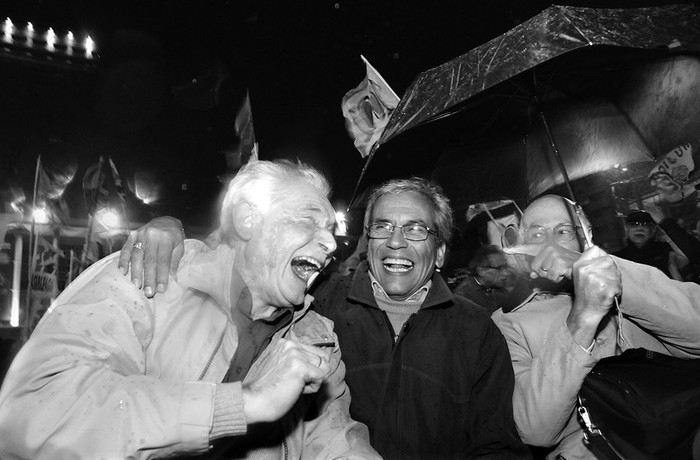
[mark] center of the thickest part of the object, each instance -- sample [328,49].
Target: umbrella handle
[586,235]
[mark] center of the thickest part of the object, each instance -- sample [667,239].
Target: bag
[642,405]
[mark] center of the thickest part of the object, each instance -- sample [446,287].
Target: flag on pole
[49,193]
[95,196]
[246,132]
[93,186]
[246,148]
[44,282]
[118,184]
[367,109]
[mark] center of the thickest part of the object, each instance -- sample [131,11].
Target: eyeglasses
[639,224]
[411,232]
[562,233]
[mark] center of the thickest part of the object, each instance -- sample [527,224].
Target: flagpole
[31,252]
[91,203]
[86,244]
[71,267]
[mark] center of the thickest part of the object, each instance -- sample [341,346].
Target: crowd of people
[239,347]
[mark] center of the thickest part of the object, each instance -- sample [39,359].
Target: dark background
[151,101]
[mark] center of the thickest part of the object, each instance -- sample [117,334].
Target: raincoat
[110,374]
[656,313]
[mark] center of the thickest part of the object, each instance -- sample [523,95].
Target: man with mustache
[230,356]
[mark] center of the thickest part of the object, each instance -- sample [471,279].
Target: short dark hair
[480,257]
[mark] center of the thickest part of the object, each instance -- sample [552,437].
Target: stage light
[40,215]
[342,224]
[89,47]
[50,39]
[109,218]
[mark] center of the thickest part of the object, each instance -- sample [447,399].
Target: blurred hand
[549,260]
[161,248]
[287,371]
[656,212]
[597,282]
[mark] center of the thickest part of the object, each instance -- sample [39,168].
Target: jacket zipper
[211,357]
[402,333]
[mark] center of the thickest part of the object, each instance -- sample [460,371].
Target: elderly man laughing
[223,358]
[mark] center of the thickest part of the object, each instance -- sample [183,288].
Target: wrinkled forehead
[547,212]
[301,198]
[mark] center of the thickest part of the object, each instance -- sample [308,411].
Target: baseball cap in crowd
[639,218]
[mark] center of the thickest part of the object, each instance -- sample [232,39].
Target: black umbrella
[582,66]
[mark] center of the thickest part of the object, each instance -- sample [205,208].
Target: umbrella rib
[568,19]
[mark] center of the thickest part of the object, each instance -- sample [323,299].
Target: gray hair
[259,184]
[442,212]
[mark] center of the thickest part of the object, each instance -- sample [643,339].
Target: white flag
[367,109]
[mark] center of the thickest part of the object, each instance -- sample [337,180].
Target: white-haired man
[555,339]
[109,373]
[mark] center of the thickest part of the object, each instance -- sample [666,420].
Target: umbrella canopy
[597,74]
[658,110]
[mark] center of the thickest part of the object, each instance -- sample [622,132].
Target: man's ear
[440,260]
[245,219]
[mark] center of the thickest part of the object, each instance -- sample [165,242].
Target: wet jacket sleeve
[668,309]
[546,381]
[78,388]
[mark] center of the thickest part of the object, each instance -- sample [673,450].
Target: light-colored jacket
[657,313]
[110,374]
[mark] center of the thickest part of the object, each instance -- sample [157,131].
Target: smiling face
[291,243]
[399,265]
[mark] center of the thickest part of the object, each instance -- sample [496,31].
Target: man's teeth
[304,267]
[398,265]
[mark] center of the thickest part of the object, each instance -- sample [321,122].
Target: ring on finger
[544,269]
[138,246]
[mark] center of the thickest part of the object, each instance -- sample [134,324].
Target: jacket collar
[361,289]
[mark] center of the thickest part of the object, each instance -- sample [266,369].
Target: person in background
[489,280]
[555,338]
[674,260]
[429,372]
[230,357]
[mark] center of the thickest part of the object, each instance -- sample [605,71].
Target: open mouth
[306,267]
[398,265]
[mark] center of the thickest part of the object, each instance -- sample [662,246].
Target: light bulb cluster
[28,39]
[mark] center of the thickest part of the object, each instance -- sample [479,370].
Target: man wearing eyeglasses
[429,373]
[556,336]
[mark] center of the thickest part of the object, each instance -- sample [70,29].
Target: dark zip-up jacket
[442,390]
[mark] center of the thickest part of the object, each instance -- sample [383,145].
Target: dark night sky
[296,58]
